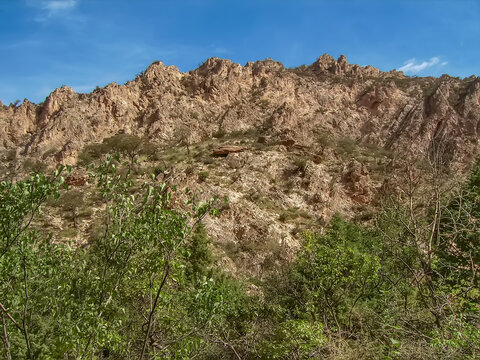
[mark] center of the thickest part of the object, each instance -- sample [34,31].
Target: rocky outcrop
[357,182]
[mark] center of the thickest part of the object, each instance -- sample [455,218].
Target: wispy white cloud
[414,67]
[55,6]
[49,9]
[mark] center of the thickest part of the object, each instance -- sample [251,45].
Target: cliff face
[384,108]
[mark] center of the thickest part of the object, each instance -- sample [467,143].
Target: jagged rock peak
[214,62]
[158,71]
[112,85]
[323,63]
[59,95]
[385,108]
[26,102]
[268,62]
[267,65]
[62,91]
[327,65]
[342,59]
[216,66]
[55,100]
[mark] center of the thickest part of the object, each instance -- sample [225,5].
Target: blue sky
[84,43]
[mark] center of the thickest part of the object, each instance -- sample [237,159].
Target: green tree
[333,272]
[117,296]
[428,259]
[460,230]
[21,248]
[199,258]
[128,145]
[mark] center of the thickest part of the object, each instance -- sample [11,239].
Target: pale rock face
[357,183]
[54,102]
[318,182]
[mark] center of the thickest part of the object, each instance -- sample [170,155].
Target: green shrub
[91,153]
[67,301]
[11,155]
[325,140]
[128,145]
[203,175]
[347,145]
[459,338]
[219,134]
[330,273]
[300,164]
[294,339]
[68,233]
[199,258]
[34,165]
[292,214]
[70,202]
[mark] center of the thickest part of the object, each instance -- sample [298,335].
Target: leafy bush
[219,134]
[129,145]
[48,153]
[294,339]
[91,153]
[346,145]
[332,273]
[458,338]
[203,175]
[70,202]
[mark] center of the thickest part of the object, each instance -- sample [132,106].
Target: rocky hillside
[314,140]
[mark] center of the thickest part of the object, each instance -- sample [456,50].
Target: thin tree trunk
[5,339]
[166,270]
[25,308]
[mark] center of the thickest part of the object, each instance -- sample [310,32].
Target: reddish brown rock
[77,179]
[228,149]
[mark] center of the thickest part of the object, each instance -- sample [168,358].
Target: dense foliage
[147,285]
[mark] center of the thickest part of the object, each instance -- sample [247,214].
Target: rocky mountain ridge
[384,108]
[308,142]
